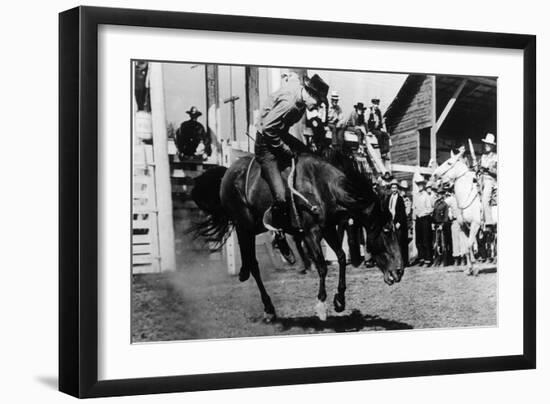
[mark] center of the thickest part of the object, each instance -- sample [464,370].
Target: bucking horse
[237,197]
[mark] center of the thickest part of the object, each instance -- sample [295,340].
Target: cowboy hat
[429,184]
[420,180]
[404,184]
[360,106]
[334,96]
[489,139]
[394,182]
[375,101]
[317,87]
[194,111]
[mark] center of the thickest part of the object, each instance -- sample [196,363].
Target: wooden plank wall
[414,114]
[145,243]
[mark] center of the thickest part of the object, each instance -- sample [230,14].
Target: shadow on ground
[355,321]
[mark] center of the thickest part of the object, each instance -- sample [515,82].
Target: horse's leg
[247,245]
[303,255]
[335,242]
[313,242]
[471,268]
[474,228]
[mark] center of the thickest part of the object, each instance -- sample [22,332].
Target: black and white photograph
[276,200]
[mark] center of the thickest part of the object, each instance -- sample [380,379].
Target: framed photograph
[251,201]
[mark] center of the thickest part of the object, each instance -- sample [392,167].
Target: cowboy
[191,137]
[375,125]
[141,87]
[488,177]
[275,147]
[430,191]
[422,213]
[396,206]
[335,120]
[357,123]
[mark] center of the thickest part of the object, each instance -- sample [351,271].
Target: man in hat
[335,120]
[275,147]
[422,213]
[396,206]
[357,123]
[488,176]
[375,125]
[191,134]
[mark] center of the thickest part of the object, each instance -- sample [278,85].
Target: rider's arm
[273,124]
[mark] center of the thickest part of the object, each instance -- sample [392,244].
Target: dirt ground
[203,302]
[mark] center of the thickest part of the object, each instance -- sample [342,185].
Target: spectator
[356,122]
[396,206]
[422,214]
[442,228]
[191,137]
[336,121]
[375,125]
[459,240]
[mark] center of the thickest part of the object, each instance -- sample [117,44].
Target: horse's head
[451,169]
[384,247]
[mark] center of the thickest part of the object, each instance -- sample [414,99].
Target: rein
[247,178]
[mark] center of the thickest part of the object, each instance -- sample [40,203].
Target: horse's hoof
[244,275]
[269,317]
[339,304]
[321,309]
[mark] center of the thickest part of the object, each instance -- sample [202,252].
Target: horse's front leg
[313,243]
[472,240]
[335,242]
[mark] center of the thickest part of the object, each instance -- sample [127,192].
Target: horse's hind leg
[247,245]
[335,242]
[313,242]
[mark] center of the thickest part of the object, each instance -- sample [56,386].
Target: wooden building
[431,114]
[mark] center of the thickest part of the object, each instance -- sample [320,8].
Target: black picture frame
[78,201]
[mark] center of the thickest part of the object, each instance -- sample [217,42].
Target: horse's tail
[216,226]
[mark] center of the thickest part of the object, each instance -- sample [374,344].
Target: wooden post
[252,78]
[162,171]
[213,114]
[449,105]
[433,131]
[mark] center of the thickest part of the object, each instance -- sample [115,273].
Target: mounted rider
[487,172]
[275,147]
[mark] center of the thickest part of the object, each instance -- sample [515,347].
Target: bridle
[462,174]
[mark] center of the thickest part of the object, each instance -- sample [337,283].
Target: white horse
[455,171]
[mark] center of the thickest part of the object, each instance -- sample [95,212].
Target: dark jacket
[374,121]
[440,214]
[400,212]
[188,137]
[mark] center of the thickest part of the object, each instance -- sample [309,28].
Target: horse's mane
[343,181]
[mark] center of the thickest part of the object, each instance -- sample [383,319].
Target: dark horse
[238,197]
